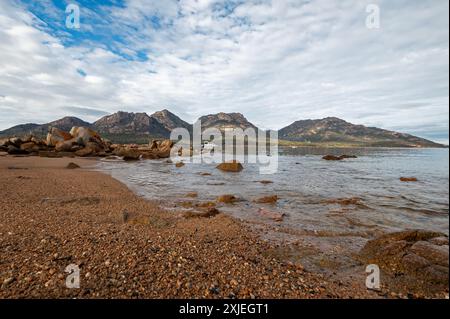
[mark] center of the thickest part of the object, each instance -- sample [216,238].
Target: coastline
[53,217]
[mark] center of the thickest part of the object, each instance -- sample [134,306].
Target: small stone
[72,166]
[8,281]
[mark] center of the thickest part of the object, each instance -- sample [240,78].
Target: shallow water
[306,184]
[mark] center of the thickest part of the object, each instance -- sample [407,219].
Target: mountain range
[125,127]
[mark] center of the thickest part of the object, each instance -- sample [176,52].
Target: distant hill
[66,123]
[19,130]
[170,121]
[335,130]
[223,121]
[125,127]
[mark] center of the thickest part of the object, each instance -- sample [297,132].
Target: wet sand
[129,247]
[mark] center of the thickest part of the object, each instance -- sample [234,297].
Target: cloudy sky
[274,61]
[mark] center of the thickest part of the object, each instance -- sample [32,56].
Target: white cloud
[274,61]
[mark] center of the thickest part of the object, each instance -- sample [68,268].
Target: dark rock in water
[205,174]
[265,182]
[413,253]
[409,179]
[232,166]
[179,164]
[331,158]
[337,158]
[72,166]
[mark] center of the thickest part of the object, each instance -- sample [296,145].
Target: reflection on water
[307,186]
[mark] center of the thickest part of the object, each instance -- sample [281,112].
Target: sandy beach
[128,247]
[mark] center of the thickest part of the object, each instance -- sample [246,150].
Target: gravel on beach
[129,247]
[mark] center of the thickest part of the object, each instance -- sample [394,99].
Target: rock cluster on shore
[82,142]
[418,258]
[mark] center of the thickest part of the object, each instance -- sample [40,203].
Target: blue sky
[274,61]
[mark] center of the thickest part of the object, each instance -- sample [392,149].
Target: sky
[274,61]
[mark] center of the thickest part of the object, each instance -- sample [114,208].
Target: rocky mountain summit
[224,121]
[170,121]
[126,127]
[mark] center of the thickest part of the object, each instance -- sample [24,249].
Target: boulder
[95,146]
[231,166]
[164,148]
[16,141]
[14,150]
[30,147]
[179,164]
[84,135]
[127,153]
[84,152]
[4,142]
[131,155]
[56,135]
[64,146]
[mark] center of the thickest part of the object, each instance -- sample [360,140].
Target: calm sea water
[307,186]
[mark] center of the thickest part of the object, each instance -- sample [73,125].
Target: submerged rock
[276,216]
[267,199]
[413,253]
[231,166]
[228,199]
[210,212]
[192,194]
